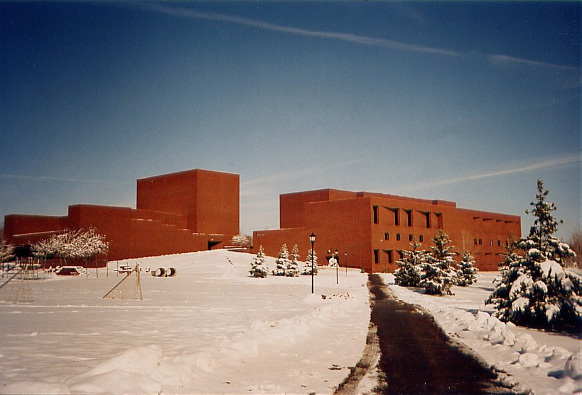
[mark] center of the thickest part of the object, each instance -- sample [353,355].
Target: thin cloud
[497,59]
[347,37]
[42,178]
[565,161]
[500,59]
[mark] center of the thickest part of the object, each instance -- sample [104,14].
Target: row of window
[491,243]
[392,258]
[410,237]
[408,213]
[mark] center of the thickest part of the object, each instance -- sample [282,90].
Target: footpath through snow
[534,360]
[209,329]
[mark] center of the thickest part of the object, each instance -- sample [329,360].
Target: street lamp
[336,267]
[346,263]
[312,240]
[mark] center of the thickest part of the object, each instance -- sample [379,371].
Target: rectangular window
[375,208]
[376,256]
[427,215]
[421,238]
[491,242]
[409,237]
[389,253]
[397,236]
[439,220]
[475,241]
[386,236]
[408,217]
[498,242]
[480,242]
[396,217]
[400,255]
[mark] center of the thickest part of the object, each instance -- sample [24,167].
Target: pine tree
[409,272]
[259,267]
[307,268]
[510,255]
[282,261]
[467,270]
[292,269]
[535,290]
[438,276]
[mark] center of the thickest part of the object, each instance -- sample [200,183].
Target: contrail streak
[497,59]
[567,160]
[347,37]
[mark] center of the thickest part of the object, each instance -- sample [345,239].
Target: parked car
[68,271]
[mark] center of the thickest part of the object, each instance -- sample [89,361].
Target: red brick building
[375,228]
[181,212]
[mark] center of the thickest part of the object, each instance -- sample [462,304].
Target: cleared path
[416,357]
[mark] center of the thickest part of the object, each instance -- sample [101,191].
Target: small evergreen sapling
[259,267]
[307,268]
[467,270]
[438,276]
[293,266]
[410,270]
[282,261]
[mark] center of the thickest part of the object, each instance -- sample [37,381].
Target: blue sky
[463,101]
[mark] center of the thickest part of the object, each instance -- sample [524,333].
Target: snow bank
[549,365]
[210,329]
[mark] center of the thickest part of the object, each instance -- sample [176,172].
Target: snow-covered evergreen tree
[510,255]
[438,275]
[535,290]
[467,271]
[307,268]
[410,270]
[293,266]
[259,266]
[282,261]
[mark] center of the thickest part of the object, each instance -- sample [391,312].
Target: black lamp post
[312,240]
[336,267]
[346,263]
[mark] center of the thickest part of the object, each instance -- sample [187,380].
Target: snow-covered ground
[214,329]
[534,360]
[209,329]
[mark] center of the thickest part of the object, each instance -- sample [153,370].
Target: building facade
[370,230]
[188,211]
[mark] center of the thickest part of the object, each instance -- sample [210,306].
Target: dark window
[498,242]
[376,257]
[396,220]
[421,238]
[409,237]
[397,236]
[409,217]
[480,242]
[375,208]
[386,236]
[439,220]
[389,253]
[400,255]
[427,215]
[475,241]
